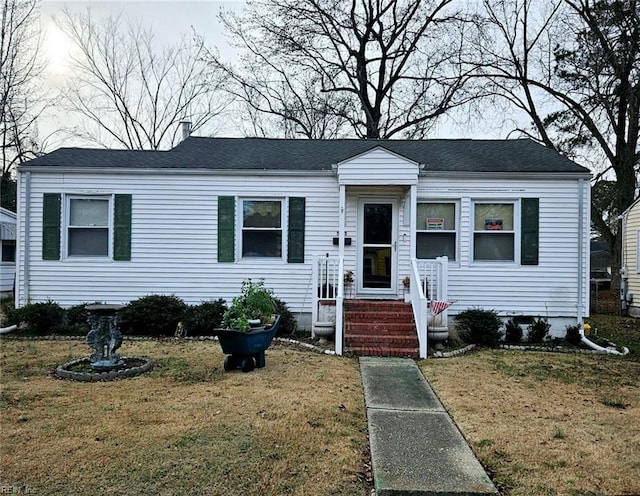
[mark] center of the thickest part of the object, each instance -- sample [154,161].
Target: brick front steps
[380,328]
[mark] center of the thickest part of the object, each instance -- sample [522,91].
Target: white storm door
[377,246]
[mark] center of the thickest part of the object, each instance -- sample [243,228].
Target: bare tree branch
[129,92]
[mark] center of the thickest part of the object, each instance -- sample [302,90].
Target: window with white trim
[88,226]
[262,228]
[436,230]
[494,232]
[8,250]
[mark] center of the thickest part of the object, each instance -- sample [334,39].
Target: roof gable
[377,166]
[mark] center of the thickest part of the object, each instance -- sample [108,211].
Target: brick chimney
[186,129]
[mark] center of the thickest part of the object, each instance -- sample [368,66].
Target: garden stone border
[63,372]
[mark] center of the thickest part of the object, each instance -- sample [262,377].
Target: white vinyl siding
[174,239]
[547,289]
[631,256]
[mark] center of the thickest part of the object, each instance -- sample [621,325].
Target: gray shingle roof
[521,155]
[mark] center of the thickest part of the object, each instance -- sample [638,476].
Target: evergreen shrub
[573,335]
[512,332]
[538,330]
[479,326]
[152,315]
[205,318]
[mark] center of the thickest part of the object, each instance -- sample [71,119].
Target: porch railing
[328,285]
[419,305]
[429,283]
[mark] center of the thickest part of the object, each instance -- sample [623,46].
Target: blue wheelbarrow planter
[245,350]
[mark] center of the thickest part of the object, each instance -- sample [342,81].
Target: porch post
[413,209]
[340,295]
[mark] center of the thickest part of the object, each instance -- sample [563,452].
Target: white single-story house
[630,266]
[8,250]
[510,216]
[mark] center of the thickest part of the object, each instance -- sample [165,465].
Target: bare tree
[20,69]
[131,93]
[573,66]
[377,69]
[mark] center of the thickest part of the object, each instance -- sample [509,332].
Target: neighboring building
[8,250]
[630,292]
[113,225]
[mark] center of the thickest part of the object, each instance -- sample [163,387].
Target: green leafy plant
[152,315]
[573,335]
[479,326]
[205,318]
[254,302]
[538,330]
[512,332]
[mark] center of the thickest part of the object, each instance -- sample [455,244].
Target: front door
[377,246]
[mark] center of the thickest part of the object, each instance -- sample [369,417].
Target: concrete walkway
[416,449]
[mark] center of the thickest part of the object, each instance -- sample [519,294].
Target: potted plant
[406,283]
[252,307]
[245,338]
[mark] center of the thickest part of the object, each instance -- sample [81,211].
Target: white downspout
[26,201]
[340,296]
[581,279]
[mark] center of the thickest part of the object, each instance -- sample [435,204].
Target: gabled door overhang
[377,167]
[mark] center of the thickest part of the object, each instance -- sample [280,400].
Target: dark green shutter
[295,252]
[122,227]
[51,211]
[530,231]
[226,228]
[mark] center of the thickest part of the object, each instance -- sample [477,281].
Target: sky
[170,19]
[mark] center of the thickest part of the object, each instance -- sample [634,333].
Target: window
[494,232]
[8,250]
[436,230]
[88,227]
[262,228]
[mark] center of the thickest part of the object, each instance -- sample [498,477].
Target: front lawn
[297,426]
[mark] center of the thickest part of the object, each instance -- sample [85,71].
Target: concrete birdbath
[105,339]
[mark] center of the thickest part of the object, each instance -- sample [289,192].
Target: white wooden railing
[429,279]
[328,286]
[429,283]
[419,304]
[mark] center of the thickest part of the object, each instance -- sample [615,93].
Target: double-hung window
[88,226]
[436,230]
[8,250]
[494,232]
[262,228]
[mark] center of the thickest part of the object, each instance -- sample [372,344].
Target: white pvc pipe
[6,330]
[611,351]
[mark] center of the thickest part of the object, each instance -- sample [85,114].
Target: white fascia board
[171,170]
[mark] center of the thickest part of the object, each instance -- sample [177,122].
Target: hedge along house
[511,217]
